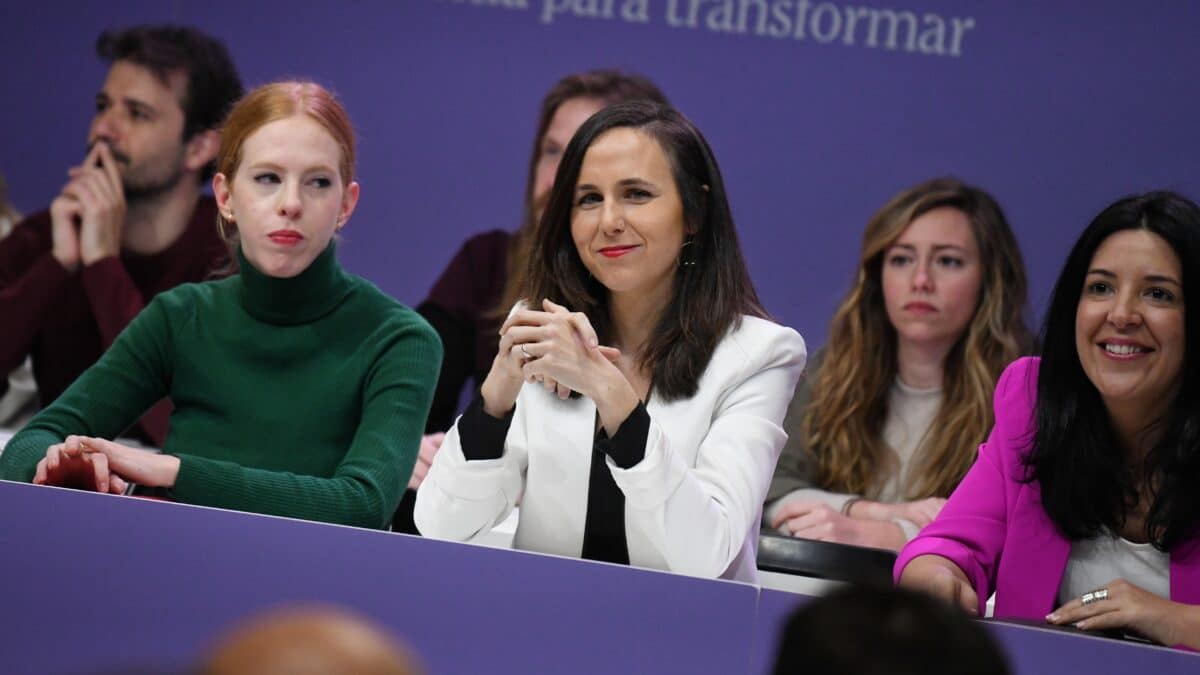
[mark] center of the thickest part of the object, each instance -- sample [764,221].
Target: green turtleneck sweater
[302,397]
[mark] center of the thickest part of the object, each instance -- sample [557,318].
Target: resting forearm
[1186,626]
[345,500]
[24,451]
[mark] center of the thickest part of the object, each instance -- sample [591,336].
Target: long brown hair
[711,291]
[609,86]
[843,425]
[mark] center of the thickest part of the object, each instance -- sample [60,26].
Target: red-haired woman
[299,390]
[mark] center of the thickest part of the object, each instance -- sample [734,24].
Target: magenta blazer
[994,528]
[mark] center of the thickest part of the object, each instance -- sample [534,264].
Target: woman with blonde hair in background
[888,418]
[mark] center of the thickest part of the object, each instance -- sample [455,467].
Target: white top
[1095,563]
[692,505]
[910,414]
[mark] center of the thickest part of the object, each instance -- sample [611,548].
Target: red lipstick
[615,251]
[286,237]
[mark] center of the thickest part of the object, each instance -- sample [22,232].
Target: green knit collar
[303,298]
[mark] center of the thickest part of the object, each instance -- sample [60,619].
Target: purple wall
[1056,107]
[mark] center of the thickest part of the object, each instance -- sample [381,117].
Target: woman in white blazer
[643,426]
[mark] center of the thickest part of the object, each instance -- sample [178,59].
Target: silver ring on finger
[524,351]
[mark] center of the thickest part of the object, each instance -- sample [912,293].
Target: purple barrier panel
[773,610]
[92,583]
[1031,650]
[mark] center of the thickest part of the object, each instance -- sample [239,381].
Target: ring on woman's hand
[1089,598]
[526,353]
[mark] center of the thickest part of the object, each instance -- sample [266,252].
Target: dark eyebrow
[624,182]
[1152,278]
[1161,279]
[135,104]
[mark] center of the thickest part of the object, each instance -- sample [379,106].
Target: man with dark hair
[131,221]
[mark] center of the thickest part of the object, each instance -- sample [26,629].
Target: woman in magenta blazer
[1083,506]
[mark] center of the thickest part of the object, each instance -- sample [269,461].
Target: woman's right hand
[77,468]
[503,382]
[941,578]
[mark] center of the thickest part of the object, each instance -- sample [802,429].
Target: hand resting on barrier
[97,464]
[866,523]
[1128,607]
[941,578]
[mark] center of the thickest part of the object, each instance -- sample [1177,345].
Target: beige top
[910,414]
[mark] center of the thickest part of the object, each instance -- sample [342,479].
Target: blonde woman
[888,418]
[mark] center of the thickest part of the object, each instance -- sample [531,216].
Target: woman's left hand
[135,465]
[1130,607]
[567,351]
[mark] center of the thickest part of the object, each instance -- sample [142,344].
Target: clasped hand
[87,463]
[88,216]
[555,347]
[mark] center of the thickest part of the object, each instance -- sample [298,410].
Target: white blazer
[692,505]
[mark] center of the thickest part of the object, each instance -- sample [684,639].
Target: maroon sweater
[66,320]
[460,308]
